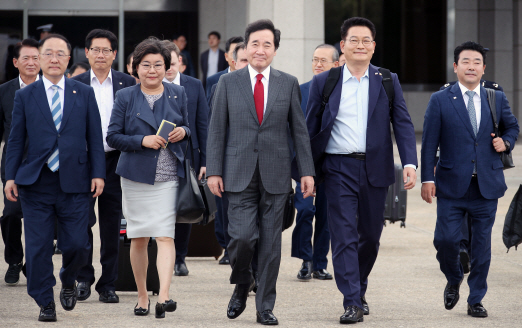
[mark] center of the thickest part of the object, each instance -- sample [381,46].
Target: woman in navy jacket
[150,171]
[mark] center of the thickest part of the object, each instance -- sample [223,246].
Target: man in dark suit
[255,106]
[55,161]
[313,255]
[469,177]
[101,47]
[229,49]
[198,115]
[213,59]
[353,150]
[26,60]
[181,41]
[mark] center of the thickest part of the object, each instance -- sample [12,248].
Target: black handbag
[507,159]
[190,206]
[289,214]
[210,202]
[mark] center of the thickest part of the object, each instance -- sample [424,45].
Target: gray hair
[240,45]
[335,55]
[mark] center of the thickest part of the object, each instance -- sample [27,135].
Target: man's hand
[154,142]
[428,192]
[307,186]
[97,185]
[11,189]
[202,172]
[177,134]
[215,184]
[409,172]
[498,144]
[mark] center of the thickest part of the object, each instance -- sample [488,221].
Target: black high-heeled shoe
[168,306]
[140,310]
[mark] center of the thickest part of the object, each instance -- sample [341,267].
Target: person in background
[182,61]
[342,59]
[181,41]
[213,59]
[129,67]
[77,69]
[230,45]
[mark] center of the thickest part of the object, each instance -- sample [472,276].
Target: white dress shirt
[213,59]
[253,79]
[105,100]
[50,92]
[22,83]
[476,100]
[175,81]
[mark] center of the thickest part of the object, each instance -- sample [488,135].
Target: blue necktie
[472,118]
[56,111]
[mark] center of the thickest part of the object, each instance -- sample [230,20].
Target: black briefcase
[395,208]
[289,214]
[210,202]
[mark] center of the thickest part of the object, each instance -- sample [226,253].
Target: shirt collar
[253,72]
[48,84]
[109,77]
[348,75]
[22,82]
[228,69]
[463,89]
[177,79]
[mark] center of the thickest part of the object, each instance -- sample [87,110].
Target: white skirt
[150,210]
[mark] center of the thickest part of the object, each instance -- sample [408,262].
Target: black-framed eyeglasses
[105,52]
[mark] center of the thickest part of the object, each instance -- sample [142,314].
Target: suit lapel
[375,83]
[334,102]
[14,87]
[41,99]
[457,100]
[144,112]
[274,85]
[70,94]
[117,84]
[182,80]
[246,89]
[484,110]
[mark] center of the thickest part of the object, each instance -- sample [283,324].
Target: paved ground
[405,287]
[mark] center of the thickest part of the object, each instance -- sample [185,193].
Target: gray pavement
[405,287]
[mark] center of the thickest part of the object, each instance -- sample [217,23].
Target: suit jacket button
[472,161]
[255,150]
[476,144]
[59,136]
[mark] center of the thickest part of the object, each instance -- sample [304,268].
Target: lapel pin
[175,96]
[376,73]
[121,83]
[74,91]
[380,73]
[138,114]
[169,96]
[454,97]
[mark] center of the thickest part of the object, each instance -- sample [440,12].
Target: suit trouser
[255,215]
[42,202]
[109,222]
[304,229]
[221,221]
[450,217]
[12,231]
[465,243]
[355,243]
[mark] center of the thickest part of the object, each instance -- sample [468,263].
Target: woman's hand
[154,142]
[177,134]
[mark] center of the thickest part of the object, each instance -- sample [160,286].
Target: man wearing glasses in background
[353,150]
[101,47]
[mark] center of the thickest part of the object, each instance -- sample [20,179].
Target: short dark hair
[357,21]
[73,68]
[216,33]
[240,45]
[56,36]
[183,59]
[101,34]
[469,45]
[30,43]
[151,45]
[263,24]
[129,57]
[171,46]
[177,36]
[234,39]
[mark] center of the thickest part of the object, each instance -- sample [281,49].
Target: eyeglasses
[322,61]
[147,66]
[365,42]
[59,55]
[105,52]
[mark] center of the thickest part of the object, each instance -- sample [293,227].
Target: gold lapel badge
[74,91]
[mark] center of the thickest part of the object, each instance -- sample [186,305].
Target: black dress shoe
[322,275]
[266,318]
[109,296]
[365,307]
[464,260]
[180,269]
[161,308]
[12,276]
[48,312]
[353,314]
[224,259]
[305,273]
[477,310]
[237,303]
[68,297]
[84,290]
[141,311]
[451,295]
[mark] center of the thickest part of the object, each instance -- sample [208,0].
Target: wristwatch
[507,144]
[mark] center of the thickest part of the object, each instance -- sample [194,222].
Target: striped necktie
[56,111]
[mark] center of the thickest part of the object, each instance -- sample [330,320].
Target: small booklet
[165,128]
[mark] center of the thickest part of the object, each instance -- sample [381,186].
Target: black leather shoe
[12,276]
[181,269]
[141,311]
[84,290]
[464,260]
[365,307]
[322,275]
[68,297]
[224,259]
[305,273]
[109,296]
[48,312]
[237,303]
[266,318]
[477,310]
[353,314]
[451,295]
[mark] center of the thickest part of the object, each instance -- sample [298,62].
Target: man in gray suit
[257,105]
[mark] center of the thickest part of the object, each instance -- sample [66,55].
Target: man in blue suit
[313,255]
[101,47]
[469,177]
[198,115]
[55,162]
[353,150]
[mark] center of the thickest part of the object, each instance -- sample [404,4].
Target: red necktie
[259,97]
